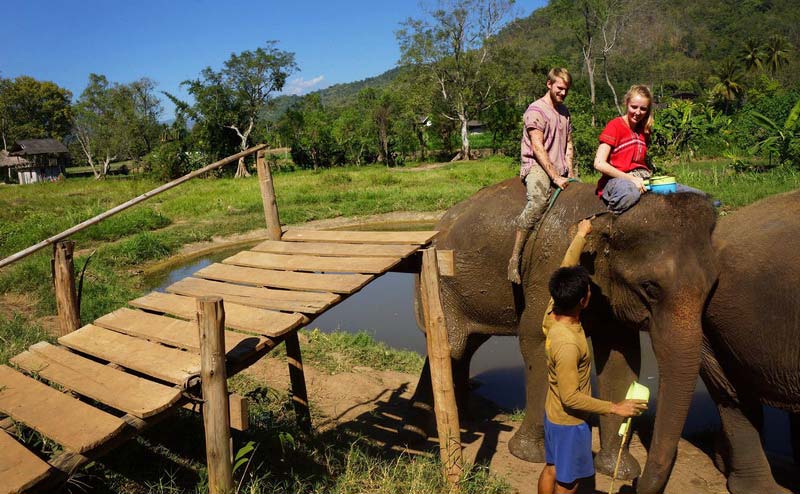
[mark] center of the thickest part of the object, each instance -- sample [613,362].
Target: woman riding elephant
[652,269]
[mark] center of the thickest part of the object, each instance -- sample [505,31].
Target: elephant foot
[740,484]
[606,460]
[526,447]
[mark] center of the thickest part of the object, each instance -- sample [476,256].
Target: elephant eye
[651,289]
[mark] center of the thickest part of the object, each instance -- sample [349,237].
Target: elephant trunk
[677,342]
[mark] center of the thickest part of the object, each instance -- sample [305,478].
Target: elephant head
[654,267]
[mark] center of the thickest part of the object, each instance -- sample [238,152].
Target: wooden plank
[329,249]
[265,298]
[175,332]
[115,388]
[446,260]
[238,411]
[264,260]
[251,319]
[317,282]
[168,364]
[345,237]
[19,468]
[60,417]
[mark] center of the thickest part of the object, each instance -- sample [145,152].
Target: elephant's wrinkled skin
[653,269]
[751,355]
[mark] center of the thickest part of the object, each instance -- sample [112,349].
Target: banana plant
[780,139]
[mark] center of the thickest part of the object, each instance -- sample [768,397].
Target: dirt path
[374,402]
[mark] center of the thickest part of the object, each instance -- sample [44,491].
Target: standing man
[546,157]
[569,402]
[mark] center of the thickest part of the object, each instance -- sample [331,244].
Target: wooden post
[268,197]
[69,318]
[216,415]
[298,379]
[444,398]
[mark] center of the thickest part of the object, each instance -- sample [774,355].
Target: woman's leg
[620,195]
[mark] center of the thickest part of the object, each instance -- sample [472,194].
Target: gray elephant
[653,268]
[751,354]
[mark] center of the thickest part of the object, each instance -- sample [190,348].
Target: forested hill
[663,41]
[674,45]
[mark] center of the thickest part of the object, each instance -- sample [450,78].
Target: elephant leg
[461,371]
[617,357]
[420,419]
[749,470]
[528,442]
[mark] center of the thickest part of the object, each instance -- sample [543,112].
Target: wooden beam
[216,411]
[444,398]
[446,261]
[268,197]
[298,380]
[69,318]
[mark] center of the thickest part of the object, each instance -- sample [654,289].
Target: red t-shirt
[628,149]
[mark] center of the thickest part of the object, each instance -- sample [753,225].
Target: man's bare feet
[513,270]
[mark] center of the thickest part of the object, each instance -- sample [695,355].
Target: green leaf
[765,121]
[794,115]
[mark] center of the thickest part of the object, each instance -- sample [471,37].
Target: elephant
[751,350]
[652,270]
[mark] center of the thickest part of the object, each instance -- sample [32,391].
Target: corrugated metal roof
[27,147]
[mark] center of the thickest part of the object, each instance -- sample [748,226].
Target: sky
[169,41]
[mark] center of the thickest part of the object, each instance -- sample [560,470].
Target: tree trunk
[241,169]
[465,150]
[587,57]
[611,86]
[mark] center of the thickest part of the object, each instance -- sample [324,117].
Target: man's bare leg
[547,480]
[513,262]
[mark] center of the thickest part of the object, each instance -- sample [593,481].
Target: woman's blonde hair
[644,92]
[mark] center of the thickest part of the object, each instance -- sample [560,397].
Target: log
[444,398]
[216,415]
[268,197]
[69,318]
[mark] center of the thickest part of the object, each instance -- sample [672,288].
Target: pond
[385,309]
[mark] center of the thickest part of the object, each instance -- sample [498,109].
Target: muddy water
[385,310]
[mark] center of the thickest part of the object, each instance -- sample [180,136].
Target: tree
[727,83]
[777,52]
[234,97]
[115,121]
[31,109]
[753,54]
[597,25]
[452,48]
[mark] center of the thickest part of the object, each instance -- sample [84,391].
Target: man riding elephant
[546,158]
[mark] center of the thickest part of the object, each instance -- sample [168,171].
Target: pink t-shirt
[556,127]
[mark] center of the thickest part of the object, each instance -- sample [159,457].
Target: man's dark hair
[567,287]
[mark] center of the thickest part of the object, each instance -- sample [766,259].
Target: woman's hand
[638,182]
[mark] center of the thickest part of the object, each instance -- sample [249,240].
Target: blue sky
[171,41]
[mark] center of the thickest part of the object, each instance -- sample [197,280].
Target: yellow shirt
[569,395]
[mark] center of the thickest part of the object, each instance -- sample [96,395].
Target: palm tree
[752,54]
[728,87]
[777,52]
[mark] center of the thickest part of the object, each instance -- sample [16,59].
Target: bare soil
[375,402]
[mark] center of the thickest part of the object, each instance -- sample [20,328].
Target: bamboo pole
[444,398]
[111,212]
[268,197]
[216,415]
[298,379]
[69,318]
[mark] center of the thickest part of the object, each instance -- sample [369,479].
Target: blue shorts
[569,448]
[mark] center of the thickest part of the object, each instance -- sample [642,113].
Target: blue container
[662,185]
[664,188]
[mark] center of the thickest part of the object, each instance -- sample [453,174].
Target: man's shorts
[569,448]
[538,190]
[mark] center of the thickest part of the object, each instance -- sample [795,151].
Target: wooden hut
[36,160]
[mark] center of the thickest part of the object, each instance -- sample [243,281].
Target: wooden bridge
[107,381]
